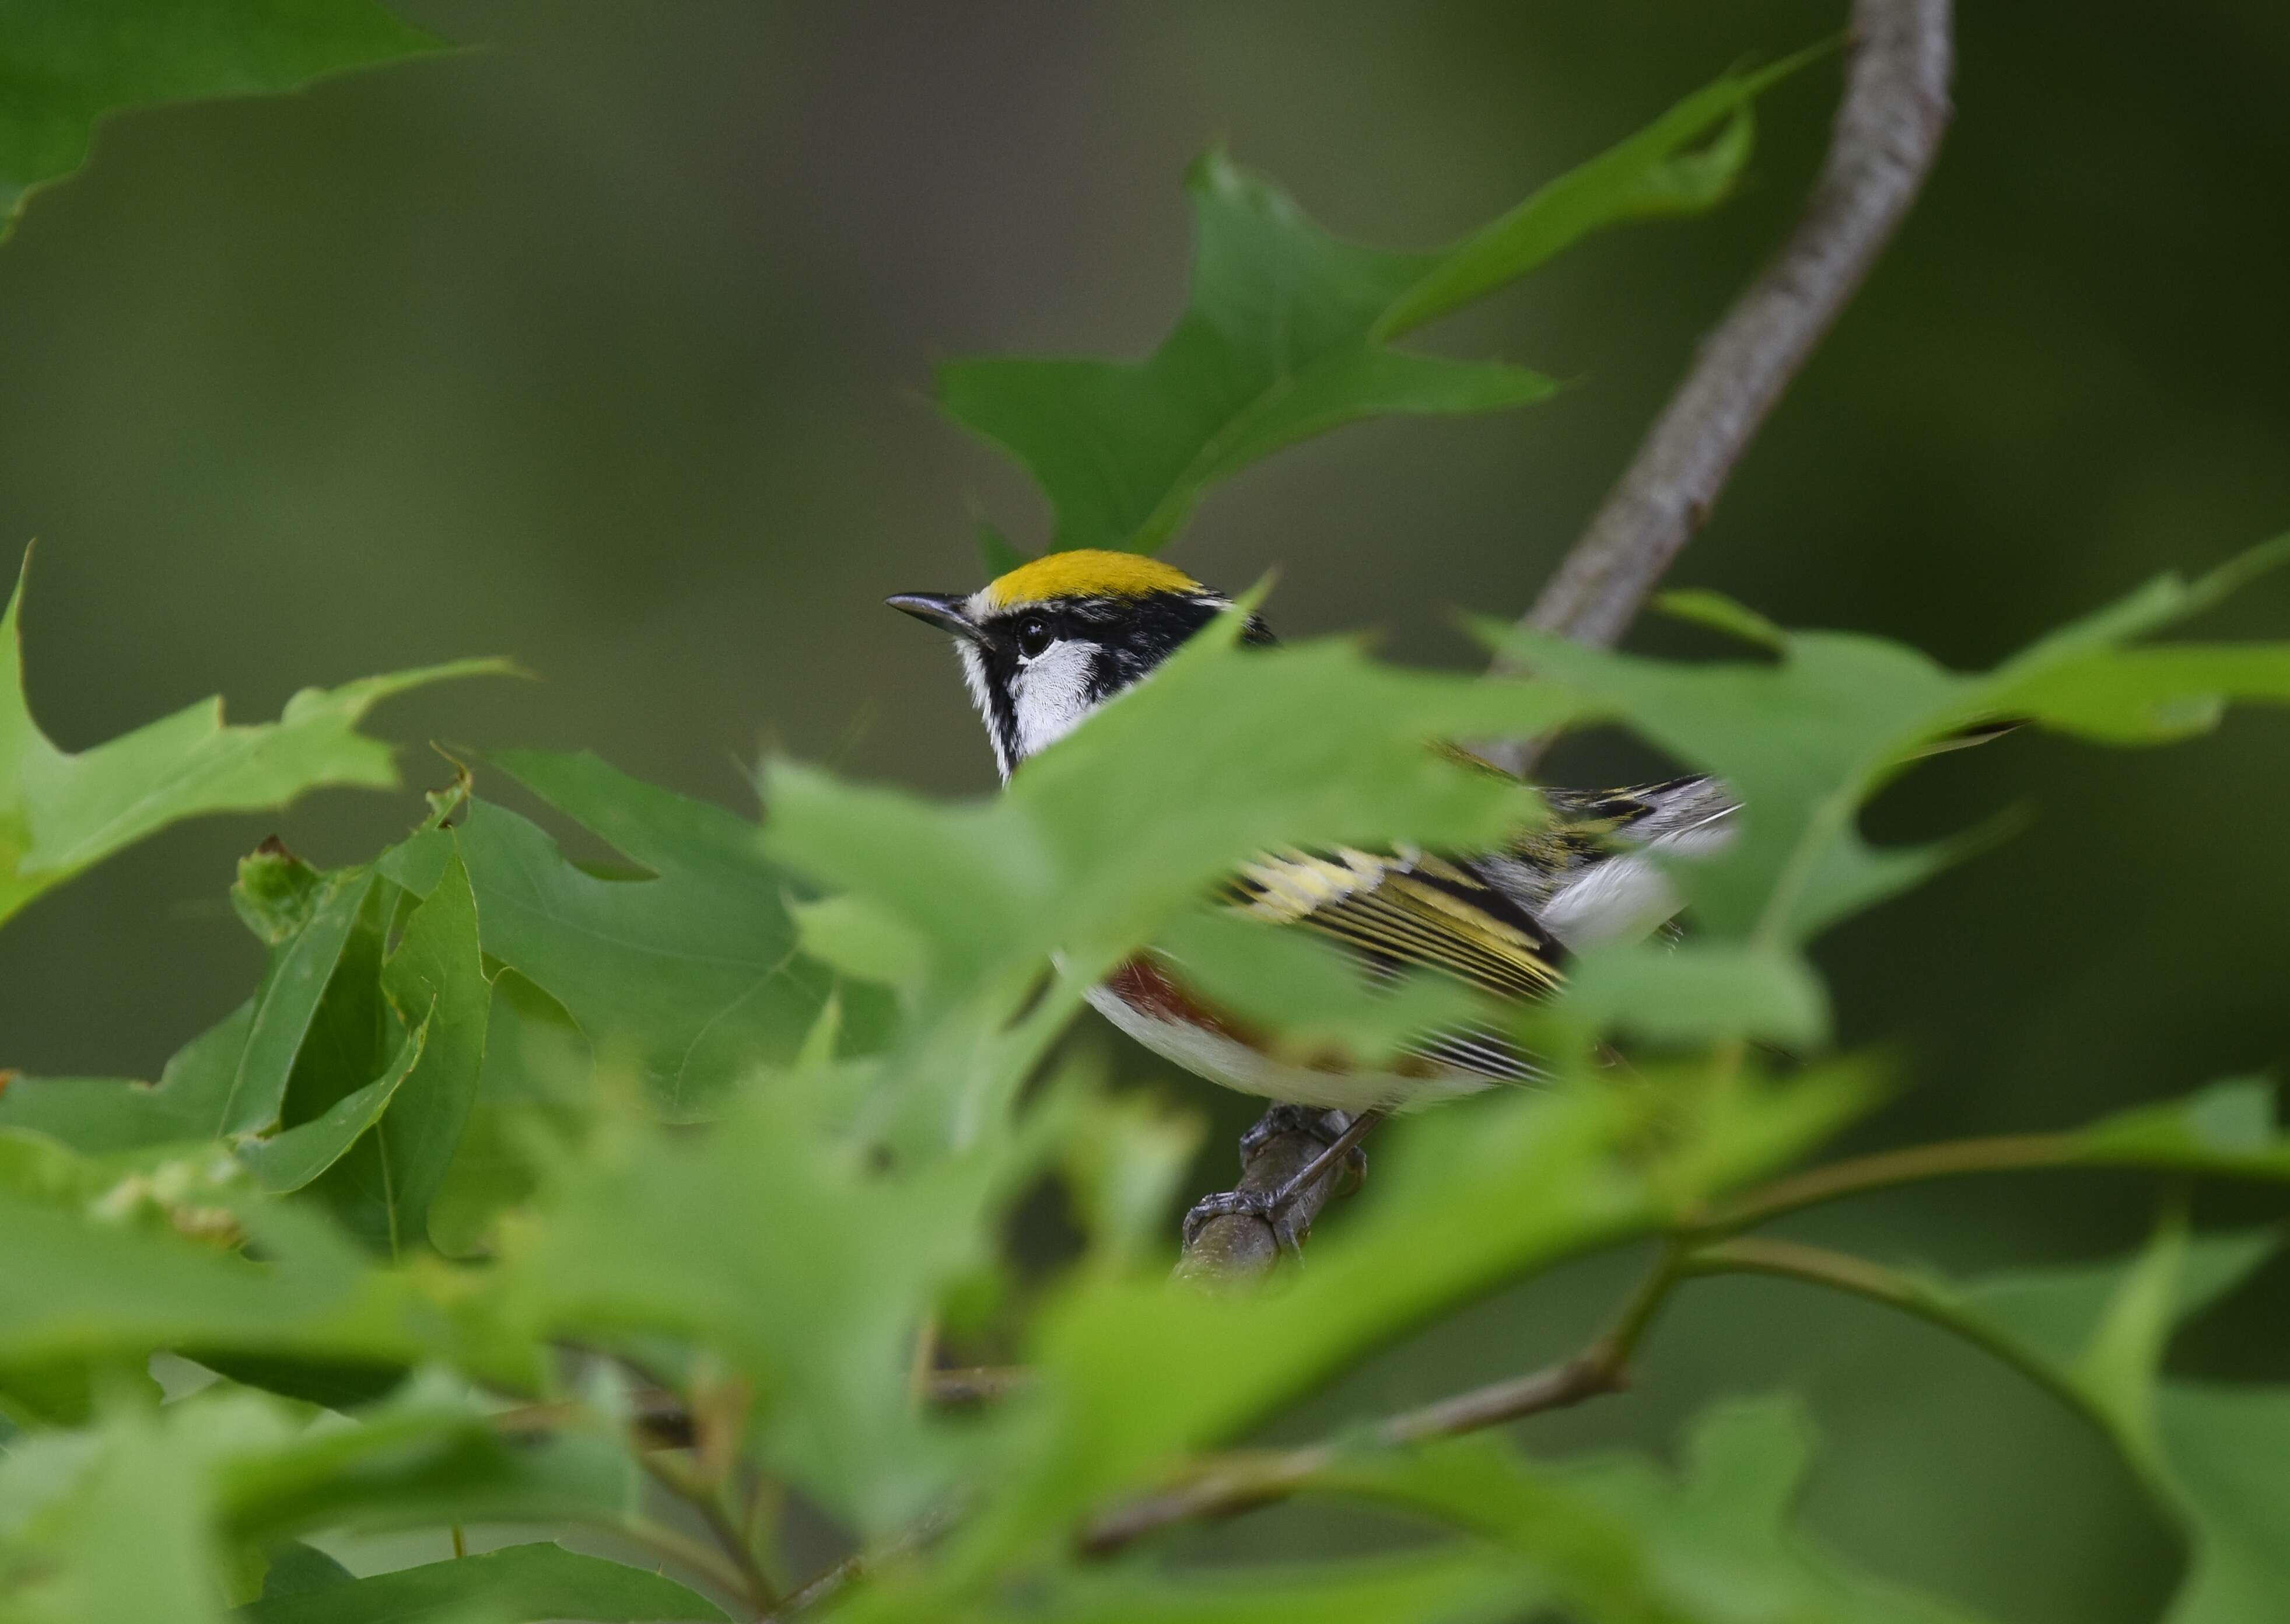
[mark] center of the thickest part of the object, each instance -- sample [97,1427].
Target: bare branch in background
[1888,128]
[1229,1484]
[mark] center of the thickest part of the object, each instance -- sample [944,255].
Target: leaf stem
[702,1557]
[1858,1276]
[2003,1153]
[752,1581]
[834,1581]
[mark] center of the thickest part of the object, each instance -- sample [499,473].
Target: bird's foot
[1339,1132]
[1327,1126]
[1248,1203]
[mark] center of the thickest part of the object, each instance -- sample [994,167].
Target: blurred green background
[606,347]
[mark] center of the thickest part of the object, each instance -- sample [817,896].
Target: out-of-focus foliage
[266,1210]
[539,1580]
[507,1147]
[64,64]
[1618,1539]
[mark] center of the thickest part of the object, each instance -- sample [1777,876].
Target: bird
[1044,645]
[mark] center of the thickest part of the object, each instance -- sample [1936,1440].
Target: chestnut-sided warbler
[1047,643]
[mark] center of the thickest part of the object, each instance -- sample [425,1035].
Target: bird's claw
[1280,1208]
[1279,1216]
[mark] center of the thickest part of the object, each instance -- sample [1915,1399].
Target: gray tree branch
[1888,131]
[1241,1248]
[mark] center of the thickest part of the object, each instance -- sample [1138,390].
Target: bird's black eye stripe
[1033,633]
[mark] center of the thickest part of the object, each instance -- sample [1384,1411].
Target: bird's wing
[1407,908]
[1396,911]
[1482,919]
[1584,875]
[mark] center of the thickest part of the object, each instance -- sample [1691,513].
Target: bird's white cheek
[974,677]
[1052,696]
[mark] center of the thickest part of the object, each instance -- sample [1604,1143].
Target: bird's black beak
[941,610]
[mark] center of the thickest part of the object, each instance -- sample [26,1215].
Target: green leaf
[60,813]
[103,1115]
[137,1548]
[856,939]
[239,1077]
[1720,613]
[299,1569]
[690,967]
[436,984]
[532,1092]
[286,1005]
[2213,1454]
[290,1160]
[1285,332]
[1692,992]
[2103,1328]
[1620,1540]
[1650,175]
[275,891]
[211,1483]
[1454,1586]
[2227,1130]
[107,1262]
[64,64]
[428,1456]
[2215,1458]
[1124,1158]
[1310,999]
[1806,739]
[789,1251]
[530,1581]
[2227,1447]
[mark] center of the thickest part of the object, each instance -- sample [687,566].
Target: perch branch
[1887,129]
[1240,1247]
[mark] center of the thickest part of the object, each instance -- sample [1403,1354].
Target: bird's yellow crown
[1088,573]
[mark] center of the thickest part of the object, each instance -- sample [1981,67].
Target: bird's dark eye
[1034,634]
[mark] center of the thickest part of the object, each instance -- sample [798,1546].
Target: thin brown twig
[661,1419]
[757,1585]
[832,1581]
[979,1384]
[1243,1481]
[697,1554]
[1888,131]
